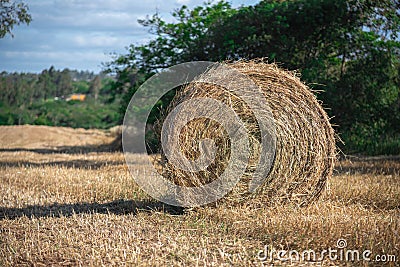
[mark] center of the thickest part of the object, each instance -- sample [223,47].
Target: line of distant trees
[24,88]
[31,98]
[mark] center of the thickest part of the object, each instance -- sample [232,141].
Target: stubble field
[71,203]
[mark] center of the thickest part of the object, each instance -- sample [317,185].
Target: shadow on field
[118,207]
[385,165]
[80,164]
[66,149]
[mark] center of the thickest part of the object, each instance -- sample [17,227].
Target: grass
[60,209]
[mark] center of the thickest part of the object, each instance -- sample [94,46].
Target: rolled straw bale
[305,143]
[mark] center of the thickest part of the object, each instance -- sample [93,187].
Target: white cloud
[183,2]
[73,60]
[95,40]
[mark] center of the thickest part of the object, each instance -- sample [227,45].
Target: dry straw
[305,143]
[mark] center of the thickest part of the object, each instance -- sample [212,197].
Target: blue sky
[81,34]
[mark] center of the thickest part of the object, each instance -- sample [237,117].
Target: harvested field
[56,138]
[82,208]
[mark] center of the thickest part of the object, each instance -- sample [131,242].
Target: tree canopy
[346,49]
[11,14]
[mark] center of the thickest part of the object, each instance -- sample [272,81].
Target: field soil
[66,200]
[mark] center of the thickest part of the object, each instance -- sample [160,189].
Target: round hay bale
[305,148]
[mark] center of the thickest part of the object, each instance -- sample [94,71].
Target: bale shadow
[114,146]
[117,207]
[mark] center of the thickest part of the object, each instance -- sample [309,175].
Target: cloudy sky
[81,34]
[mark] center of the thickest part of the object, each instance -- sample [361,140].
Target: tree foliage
[11,14]
[183,40]
[347,49]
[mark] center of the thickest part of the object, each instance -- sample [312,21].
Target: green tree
[176,42]
[64,83]
[186,39]
[12,13]
[348,49]
[95,86]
